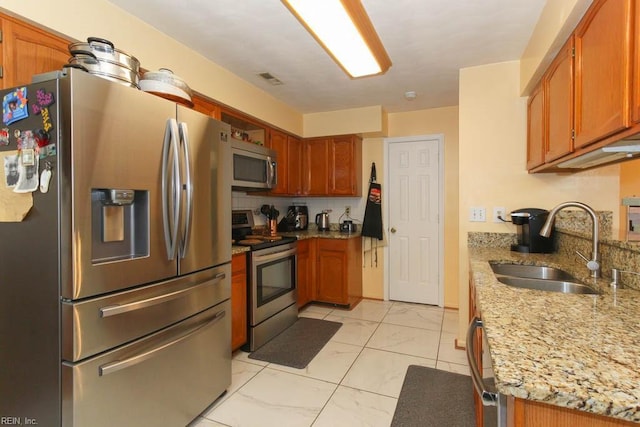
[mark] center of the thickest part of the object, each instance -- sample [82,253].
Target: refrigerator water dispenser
[120,224]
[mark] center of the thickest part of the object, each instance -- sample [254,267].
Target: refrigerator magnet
[45,178]
[29,180]
[14,106]
[11,173]
[4,136]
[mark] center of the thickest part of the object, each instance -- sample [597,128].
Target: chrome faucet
[593,264]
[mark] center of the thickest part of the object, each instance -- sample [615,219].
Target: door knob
[393,230]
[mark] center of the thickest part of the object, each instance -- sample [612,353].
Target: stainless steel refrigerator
[115,288]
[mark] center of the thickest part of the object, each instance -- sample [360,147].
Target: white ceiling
[428,41]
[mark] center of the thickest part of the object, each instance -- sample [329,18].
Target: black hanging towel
[372,223]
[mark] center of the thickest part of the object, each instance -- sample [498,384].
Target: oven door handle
[275,255]
[112,310]
[109,368]
[488,398]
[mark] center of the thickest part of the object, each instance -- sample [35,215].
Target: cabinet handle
[393,230]
[488,398]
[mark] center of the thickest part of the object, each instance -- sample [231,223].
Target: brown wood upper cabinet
[635,105]
[558,116]
[289,168]
[28,50]
[602,71]
[587,89]
[536,139]
[332,166]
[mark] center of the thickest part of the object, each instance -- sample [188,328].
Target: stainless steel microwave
[254,167]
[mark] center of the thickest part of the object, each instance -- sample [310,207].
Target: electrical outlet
[347,210]
[498,213]
[477,214]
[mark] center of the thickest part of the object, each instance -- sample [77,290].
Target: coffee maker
[296,218]
[529,222]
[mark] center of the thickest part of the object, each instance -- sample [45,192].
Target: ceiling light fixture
[344,30]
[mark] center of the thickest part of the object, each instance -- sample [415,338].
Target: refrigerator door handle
[109,368]
[115,309]
[171,194]
[184,141]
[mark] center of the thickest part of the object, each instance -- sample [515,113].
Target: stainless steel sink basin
[547,285]
[531,271]
[539,277]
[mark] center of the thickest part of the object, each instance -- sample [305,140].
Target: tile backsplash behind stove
[241,200]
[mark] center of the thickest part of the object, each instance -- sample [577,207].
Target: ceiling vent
[271,78]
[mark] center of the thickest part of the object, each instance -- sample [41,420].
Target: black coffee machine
[530,222]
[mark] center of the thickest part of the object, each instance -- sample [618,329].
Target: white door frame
[385,200]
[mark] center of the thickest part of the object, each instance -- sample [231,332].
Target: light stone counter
[575,351]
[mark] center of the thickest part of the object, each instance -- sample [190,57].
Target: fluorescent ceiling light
[344,30]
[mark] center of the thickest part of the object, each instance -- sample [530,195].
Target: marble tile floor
[356,378]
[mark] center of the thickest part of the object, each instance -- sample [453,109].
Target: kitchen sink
[547,285]
[531,271]
[539,277]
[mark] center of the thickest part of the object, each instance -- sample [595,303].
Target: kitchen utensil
[104,50]
[348,227]
[167,85]
[322,221]
[104,68]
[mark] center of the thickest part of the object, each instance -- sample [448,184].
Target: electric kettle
[322,221]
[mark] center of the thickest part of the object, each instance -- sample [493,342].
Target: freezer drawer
[166,379]
[96,325]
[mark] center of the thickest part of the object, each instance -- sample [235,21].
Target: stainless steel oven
[271,280]
[272,292]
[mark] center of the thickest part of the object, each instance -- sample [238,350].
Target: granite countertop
[575,351]
[303,235]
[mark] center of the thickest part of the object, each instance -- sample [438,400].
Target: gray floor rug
[297,345]
[430,397]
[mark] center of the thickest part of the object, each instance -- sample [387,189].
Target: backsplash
[241,200]
[573,233]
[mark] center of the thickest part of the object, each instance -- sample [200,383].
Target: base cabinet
[339,271]
[306,271]
[526,413]
[238,300]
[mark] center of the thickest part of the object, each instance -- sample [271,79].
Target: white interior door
[414,201]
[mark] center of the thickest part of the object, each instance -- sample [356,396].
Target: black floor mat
[297,345]
[430,397]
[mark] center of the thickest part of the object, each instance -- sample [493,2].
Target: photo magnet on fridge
[14,106]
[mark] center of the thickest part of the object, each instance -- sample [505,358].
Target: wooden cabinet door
[345,165]
[294,174]
[535,128]
[603,71]
[558,88]
[238,300]
[635,104]
[27,51]
[331,271]
[306,282]
[315,180]
[278,142]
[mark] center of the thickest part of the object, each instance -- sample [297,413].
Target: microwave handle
[488,398]
[271,172]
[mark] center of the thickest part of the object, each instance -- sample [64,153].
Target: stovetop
[243,234]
